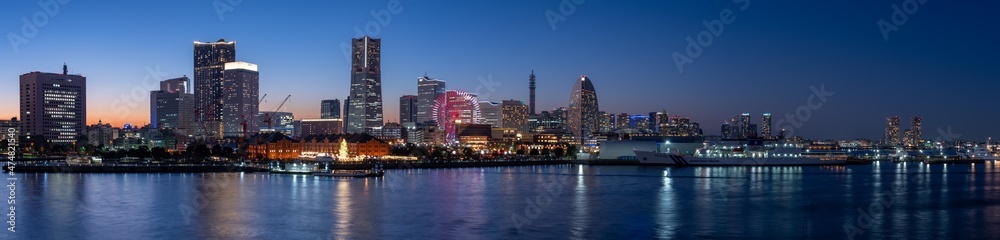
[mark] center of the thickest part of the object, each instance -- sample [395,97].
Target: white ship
[729,154]
[983,153]
[292,167]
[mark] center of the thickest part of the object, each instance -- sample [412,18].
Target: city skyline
[903,80]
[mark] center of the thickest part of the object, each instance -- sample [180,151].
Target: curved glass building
[583,110]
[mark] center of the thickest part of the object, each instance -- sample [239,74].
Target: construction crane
[268,115]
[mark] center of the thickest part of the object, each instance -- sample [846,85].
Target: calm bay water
[887,200]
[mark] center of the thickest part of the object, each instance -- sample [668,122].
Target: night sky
[940,64]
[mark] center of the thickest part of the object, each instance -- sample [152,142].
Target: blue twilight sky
[941,64]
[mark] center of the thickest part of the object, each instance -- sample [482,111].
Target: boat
[83,160]
[350,173]
[731,153]
[296,167]
[983,152]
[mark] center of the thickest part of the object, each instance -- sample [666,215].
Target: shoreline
[206,168]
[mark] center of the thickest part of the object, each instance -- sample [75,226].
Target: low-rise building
[274,146]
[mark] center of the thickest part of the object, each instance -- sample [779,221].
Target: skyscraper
[241,83]
[583,109]
[744,131]
[366,85]
[766,127]
[891,137]
[172,107]
[428,90]
[53,106]
[407,109]
[209,63]
[330,109]
[912,138]
[514,114]
[531,90]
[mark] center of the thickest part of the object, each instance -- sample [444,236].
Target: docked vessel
[735,154]
[987,152]
[297,167]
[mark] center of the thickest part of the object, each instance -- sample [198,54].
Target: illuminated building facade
[766,126]
[583,109]
[428,90]
[53,106]
[330,109]
[366,85]
[408,109]
[491,113]
[241,83]
[891,137]
[209,64]
[172,107]
[514,115]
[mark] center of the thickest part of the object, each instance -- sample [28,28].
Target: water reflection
[597,202]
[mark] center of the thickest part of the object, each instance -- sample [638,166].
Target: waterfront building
[241,83]
[209,92]
[366,85]
[273,146]
[475,136]
[53,106]
[357,144]
[583,109]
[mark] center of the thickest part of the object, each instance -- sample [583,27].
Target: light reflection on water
[591,202]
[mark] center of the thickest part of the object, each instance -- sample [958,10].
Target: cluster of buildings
[742,127]
[220,104]
[910,138]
